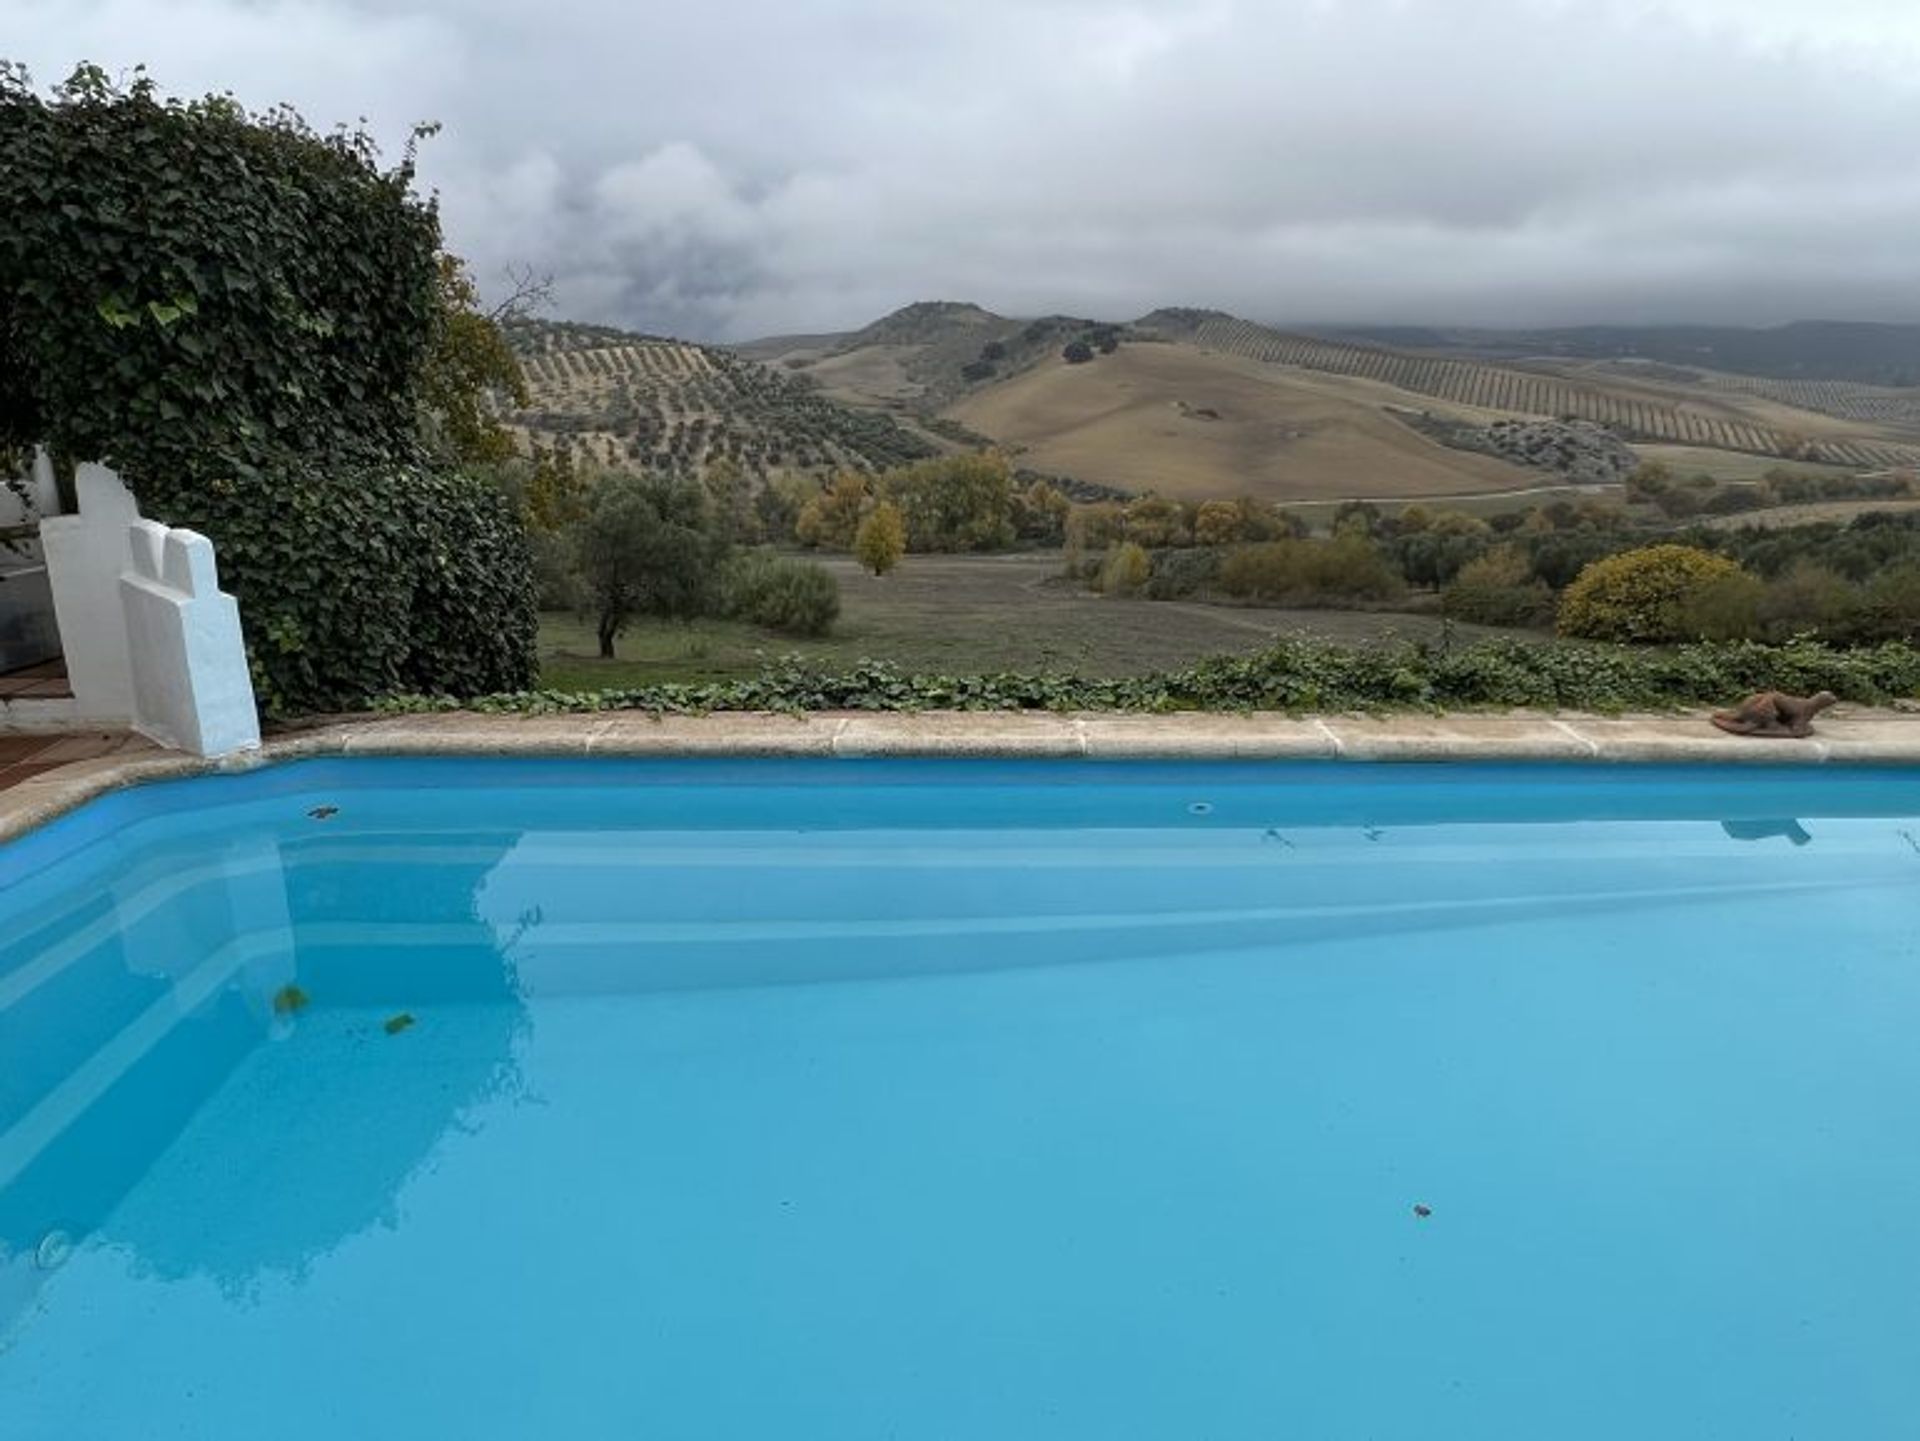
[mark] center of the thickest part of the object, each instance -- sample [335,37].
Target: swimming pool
[858,1099]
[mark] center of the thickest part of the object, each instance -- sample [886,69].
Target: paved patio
[27,755]
[46,681]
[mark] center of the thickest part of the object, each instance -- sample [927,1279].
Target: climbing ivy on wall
[237,313]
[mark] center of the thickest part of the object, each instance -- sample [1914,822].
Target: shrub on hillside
[1217,522]
[1342,571]
[1178,574]
[1498,588]
[1156,523]
[793,597]
[1890,606]
[1640,596]
[1724,609]
[1093,527]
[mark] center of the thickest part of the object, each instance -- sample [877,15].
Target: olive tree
[647,545]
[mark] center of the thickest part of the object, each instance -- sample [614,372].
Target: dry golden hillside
[1192,424]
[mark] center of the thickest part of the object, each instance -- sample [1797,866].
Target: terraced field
[615,398]
[1846,400]
[1520,391]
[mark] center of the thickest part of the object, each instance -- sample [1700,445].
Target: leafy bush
[1640,595]
[1126,570]
[1725,609]
[1343,570]
[1178,574]
[1095,526]
[1296,675]
[1217,522]
[794,597]
[1498,589]
[1890,606]
[1156,523]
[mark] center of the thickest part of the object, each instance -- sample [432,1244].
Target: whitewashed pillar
[191,688]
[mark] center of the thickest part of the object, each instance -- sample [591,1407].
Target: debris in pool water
[290,1000]
[1274,835]
[1422,1211]
[322,813]
[396,1024]
[1200,808]
[53,1250]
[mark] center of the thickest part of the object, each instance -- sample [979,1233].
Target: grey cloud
[743,166]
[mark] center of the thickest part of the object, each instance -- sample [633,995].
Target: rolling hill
[1198,402]
[1867,353]
[617,398]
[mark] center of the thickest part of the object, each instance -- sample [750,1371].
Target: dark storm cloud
[743,166]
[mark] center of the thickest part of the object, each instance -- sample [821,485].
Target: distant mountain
[1863,352]
[925,355]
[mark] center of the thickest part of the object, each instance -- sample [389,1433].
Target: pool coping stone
[1847,734]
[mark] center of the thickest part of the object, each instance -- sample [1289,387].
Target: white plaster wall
[150,639]
[85,555]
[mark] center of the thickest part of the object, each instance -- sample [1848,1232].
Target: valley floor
[960,615]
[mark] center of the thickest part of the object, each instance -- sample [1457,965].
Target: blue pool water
[854,1100]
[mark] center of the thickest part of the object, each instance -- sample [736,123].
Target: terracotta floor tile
[14,749]
[83,747]
[25,770]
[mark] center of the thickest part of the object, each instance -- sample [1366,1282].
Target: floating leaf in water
[396,1024]
[290,1000]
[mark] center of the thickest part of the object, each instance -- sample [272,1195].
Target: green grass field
[958,615]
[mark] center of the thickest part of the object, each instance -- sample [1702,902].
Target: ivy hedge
[240,315]
[1292,675]
[358,584]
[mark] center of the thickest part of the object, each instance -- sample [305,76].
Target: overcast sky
[728,168]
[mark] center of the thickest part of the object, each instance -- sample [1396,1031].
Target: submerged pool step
[28,1135]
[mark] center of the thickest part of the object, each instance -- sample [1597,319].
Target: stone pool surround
[1847,734]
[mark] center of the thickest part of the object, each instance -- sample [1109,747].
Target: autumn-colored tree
[881,539]
[1157,523]
[829,520]
[955,503]
[1217,522]
[556,492]
[1041,514]
[467,366]
[1126,571]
